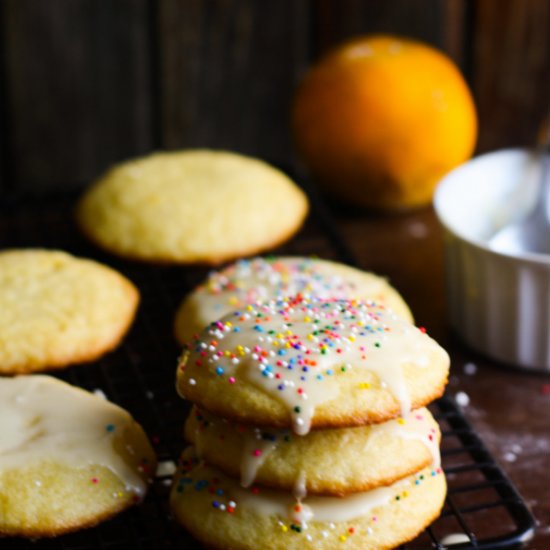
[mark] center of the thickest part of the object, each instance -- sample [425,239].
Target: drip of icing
[314,508]
[326,509]
[257,443]
[350,507]
[195,475]
[300,486]
[256,449]
[414,427]
[288,348]
[301,513]
[42,418]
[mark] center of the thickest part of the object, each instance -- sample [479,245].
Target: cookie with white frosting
[68,459]
[57,309]
[304,364]
[262,279]
[221,514]
[324,462]
[194,206]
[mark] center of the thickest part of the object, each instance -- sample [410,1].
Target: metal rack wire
[482,504]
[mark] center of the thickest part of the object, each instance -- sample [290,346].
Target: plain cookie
[196,206]
[56,310]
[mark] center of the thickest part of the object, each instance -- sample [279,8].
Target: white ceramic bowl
[499,303]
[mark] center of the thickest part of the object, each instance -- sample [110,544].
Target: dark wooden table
[508,407]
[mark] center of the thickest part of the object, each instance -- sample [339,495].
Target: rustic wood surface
[85,84]
[77,86]
[510,70]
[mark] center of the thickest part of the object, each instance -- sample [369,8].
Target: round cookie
[68,459]
[324,462]
[56,309]
[304,364]
[221,514]
[263,279]
[196,206]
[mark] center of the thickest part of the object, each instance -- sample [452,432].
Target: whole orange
[381,119]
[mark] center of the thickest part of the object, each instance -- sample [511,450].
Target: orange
[381,119]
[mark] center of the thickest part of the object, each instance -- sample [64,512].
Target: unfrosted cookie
[326,462]
[56,309]
[68,459]
[263,279]
[321,364]
[221,514]
[192,206]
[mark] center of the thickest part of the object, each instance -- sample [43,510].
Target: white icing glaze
[257,443]
[44,419]
[414,427]
[300,512]
[288,349]
[256,449]
[300,487]
[15,429]
[317,508]
[347,508]
[260,280]
[270,502]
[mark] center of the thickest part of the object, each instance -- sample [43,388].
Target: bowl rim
[526,257]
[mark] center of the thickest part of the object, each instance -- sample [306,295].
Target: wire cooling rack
[482,505]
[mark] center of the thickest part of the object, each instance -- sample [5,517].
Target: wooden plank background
[86,83]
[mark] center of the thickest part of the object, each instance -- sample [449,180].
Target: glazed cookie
[326,462]
[262,279]
[321,364]
[195,206]
[56,310]
[68,459]
[221,514]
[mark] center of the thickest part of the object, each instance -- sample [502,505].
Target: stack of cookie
[309,428]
